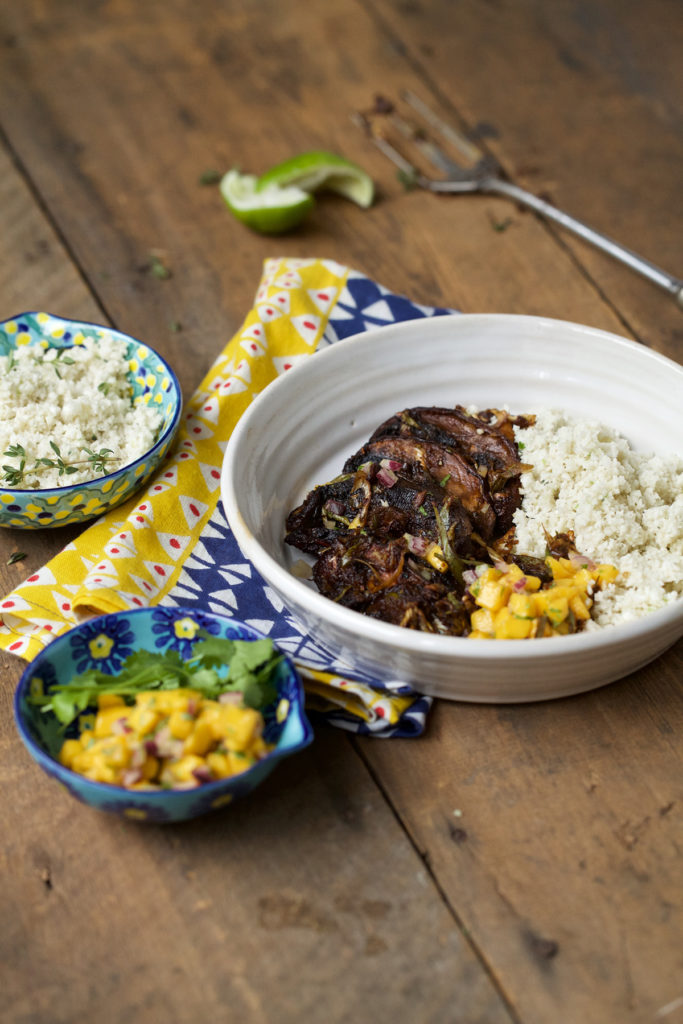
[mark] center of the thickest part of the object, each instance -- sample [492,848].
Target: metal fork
[484,175]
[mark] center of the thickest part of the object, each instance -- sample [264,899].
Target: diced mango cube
[492,595]
[510,627]
[70,748]
[142,719]
[182,769]
[482,621]
[107,717]
[578,606]
[522,605]
[200,740]
[605,574]
[180,724]
[557,609]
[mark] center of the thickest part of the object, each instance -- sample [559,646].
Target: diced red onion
[120,727]
[386,477]
[519,584]
[130,777]
[391,464]
[416,545]
[469,577]
[202,773]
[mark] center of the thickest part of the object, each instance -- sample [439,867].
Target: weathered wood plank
[555,829]
[581,101]
[263,911]
[114,111]
[132,108]
[303,903]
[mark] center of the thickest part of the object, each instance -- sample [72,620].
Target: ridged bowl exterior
[299,432]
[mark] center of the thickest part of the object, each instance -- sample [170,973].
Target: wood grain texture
[349,890]
[580,101]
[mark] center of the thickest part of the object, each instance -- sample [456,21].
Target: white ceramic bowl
[299,432]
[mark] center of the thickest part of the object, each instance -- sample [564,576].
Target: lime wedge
[321,170]
[270,210]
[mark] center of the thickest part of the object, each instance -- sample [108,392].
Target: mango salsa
[167,739]
[513,606]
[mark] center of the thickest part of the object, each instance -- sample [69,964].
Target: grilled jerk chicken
[432,491]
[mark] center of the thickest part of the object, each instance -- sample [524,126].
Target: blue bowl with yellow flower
[165,752]
[89,415]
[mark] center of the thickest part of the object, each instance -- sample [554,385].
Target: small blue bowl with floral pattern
[105,643]
[151,382]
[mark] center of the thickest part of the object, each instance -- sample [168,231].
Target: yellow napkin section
[134,555]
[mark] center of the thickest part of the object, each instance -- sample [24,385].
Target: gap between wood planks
[433,88]
[424,857]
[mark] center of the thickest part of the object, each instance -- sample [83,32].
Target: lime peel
[271,210]
[320,169]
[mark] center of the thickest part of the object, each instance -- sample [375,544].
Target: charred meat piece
[431,493]
[438,464]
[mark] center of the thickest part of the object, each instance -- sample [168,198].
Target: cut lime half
[321,170]
[271,210]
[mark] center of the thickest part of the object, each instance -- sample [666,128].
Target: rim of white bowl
[414,641]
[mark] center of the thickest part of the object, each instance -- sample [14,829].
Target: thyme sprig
[14,475]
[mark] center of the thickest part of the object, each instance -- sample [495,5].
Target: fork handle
[660,277]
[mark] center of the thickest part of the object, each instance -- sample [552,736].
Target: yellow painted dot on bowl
[165,383]
[62,513]
[79,338]
[143,352]
[53,499]
[58,332]
[77,499]
[122,489]
[133,364]
[7,499]
[150,380]
[140,381]
[32,509]
[135,812]
[11,327]
[107,486]
[221,801]
[44,344]
[23,338]
[158,398]
[42,318]
[139,470]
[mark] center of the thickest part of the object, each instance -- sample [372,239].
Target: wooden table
[515,864]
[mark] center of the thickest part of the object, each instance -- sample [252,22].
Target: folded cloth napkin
[171,545]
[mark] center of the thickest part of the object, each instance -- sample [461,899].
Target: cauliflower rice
[77,398]
[625,508]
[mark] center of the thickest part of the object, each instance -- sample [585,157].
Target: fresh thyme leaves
[104,387]
[13,476]
[251,666]
[98,460]
[16,556]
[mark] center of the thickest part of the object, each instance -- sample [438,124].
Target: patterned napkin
[171,545]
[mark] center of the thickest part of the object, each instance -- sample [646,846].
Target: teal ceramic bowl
[151,381]
[106,642]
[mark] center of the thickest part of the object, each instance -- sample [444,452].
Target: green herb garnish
[16,556]
[250,665]
[210,177]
